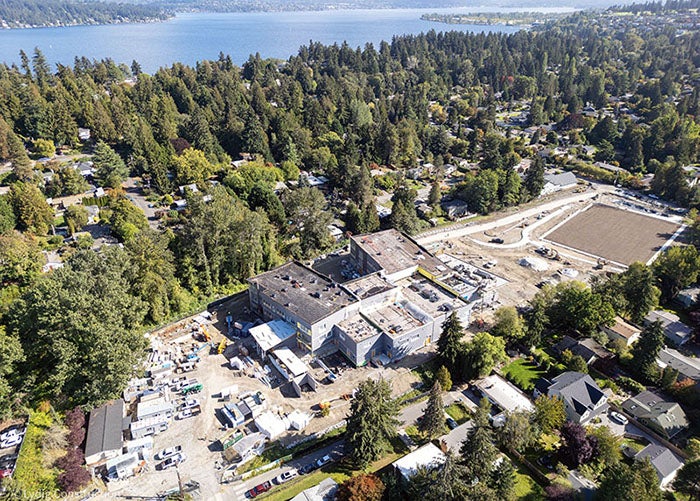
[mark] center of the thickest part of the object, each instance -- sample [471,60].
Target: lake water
[189,38]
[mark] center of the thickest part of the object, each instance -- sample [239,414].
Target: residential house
[621,330]
[675,331]
[455,209]
[583,398]
[687,367]
[652,410]
[427,456]
[323,491]
[588,349]
[663,460]
[688,297]
[104,433]
[557,182]
[504,394]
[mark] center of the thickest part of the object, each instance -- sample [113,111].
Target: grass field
[615,234]
[458,412]
[523,374]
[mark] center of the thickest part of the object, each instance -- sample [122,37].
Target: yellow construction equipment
[207,336]
[222,346]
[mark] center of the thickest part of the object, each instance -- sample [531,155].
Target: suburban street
[408,416]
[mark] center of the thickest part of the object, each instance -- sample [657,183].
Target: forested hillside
[31,13]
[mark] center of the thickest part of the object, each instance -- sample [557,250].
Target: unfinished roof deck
[368,286]
[393,319]
[394,252]
[428,296]
[304,292]
[358,328]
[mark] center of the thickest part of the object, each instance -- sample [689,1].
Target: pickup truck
[169,452]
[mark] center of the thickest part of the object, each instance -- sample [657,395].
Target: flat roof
[145,409]
[504,394]
[358,328]
[291,361]
[393,319]
[303,291]
[426,456]
[369,285]
[428,296]
[270,334]
[394,252]
[104,431]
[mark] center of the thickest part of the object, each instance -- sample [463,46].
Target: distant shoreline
[475,18]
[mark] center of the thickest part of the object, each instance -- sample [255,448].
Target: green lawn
[523,374]
[458,412]
[526,488]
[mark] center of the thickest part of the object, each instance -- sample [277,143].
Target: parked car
[546,461]
[11,433]
[307,468]
[451,423]
[8,460]
[169,452]
[496,240]
[323,461]
[618,418]
[258,489]
[11,442]
[286,476]
[6,472]
[187,413]
[190,403]
[172,461]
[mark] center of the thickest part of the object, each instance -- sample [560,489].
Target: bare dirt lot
[615,234]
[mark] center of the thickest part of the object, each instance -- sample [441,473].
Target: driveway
[139,199]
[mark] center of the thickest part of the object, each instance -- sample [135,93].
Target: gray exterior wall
[364,262]
[362,352]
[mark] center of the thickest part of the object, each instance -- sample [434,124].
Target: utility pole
[179,483]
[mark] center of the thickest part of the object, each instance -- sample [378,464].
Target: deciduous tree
[550,413]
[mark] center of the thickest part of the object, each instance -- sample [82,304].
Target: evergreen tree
[31,209]
[435,194]
[450,345]
[372,422]
[534,177]
[647,348]
[444,378]
[478,451]
[110,169]
[433,423]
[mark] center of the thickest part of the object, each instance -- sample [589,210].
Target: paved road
[441,234]
[238,489]
[138,199]
[408,416]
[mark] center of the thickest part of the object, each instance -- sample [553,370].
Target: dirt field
[615,234]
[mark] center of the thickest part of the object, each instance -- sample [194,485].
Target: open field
[614,234]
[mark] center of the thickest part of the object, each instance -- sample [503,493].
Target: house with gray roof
[104,433]
[663,460]
[583,398]
[687,367]
[674,330]
[588,349]
[664,417]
